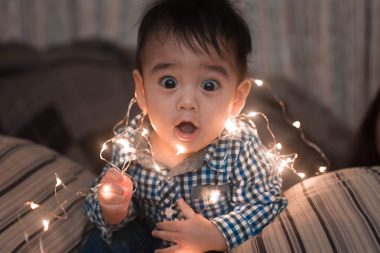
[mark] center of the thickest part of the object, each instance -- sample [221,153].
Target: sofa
[59,105]
[333,212]
[28,175]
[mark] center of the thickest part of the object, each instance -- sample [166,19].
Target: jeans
[135,237]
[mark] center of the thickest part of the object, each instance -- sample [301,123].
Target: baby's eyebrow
[161,66]
[216,68]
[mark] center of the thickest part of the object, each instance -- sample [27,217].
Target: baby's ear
[139,90]
[241,95]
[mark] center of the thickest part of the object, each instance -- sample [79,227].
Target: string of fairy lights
[122,138]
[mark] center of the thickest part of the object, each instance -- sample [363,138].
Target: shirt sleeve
[93,211]
[256,195]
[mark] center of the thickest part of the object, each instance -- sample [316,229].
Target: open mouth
[186,128]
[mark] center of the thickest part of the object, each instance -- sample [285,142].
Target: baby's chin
[187,148]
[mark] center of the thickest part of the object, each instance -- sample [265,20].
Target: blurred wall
[329,48]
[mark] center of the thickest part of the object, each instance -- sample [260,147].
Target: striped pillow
[28,174]
[335,212]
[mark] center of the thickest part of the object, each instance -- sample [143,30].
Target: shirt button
[169,179]
[169,212]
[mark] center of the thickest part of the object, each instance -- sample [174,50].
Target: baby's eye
[210,85]
[168,82]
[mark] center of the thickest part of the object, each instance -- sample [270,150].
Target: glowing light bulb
[180,149]
[214,196]
[230,126]
[145,132]
[59,182]
[322,169]
[106,188]
[104,147]
[126,146]
[156,167]
[258,82]
[32,205]
[297,124]
[284,163]
[106,191]
[301,175]
[45,223]
[279,146]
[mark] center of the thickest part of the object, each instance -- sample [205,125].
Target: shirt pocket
[211,200]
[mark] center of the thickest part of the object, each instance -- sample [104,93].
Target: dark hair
[198,24]
[364,146]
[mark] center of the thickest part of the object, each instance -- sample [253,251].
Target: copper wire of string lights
[44,214]
[297,125]
[122,137]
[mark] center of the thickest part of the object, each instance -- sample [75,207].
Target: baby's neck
[170,161]
[165,154]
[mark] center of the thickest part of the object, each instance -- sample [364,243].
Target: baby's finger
[111,199]
[187,211]
[171,249]
[173,226]
[166,235]
[126,183]
[111,188]
[115,208]
[113,175]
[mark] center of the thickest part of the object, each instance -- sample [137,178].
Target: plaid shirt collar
[213,154]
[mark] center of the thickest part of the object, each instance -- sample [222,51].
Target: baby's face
[188,96]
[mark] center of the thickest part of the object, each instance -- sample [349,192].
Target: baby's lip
[187,121]
[186,131]
[186,127]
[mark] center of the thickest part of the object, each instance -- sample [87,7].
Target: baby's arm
[104,214]
[114,194]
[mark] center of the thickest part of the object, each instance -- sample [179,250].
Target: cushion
[28,175]
[334,212]
[67,98]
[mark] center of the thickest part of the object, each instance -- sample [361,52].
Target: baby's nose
[187,101]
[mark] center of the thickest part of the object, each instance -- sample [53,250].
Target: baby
[198,187]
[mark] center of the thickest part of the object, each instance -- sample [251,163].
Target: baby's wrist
[220,241]
[113,218]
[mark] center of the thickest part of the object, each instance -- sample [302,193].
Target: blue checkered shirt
[236,165]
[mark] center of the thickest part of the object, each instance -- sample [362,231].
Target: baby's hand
[194,234]
[115,193]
